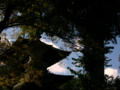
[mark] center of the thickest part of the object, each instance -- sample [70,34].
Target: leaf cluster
[16,67]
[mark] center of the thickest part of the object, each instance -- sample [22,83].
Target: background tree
[15,66]
[27,61]
[90,20]
[96,26]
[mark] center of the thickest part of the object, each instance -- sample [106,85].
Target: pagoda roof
[60,79]
[47,53]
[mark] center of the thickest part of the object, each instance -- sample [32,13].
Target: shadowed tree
[19,68]
[95,22]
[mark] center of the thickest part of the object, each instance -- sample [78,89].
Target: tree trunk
[97,75]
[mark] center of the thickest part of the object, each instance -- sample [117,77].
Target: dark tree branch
[7,15]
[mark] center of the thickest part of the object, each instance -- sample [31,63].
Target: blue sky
[114,56]
[113,70]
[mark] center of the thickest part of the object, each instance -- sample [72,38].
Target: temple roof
[44,52]
[60,79]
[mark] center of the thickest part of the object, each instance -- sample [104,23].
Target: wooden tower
[49,55]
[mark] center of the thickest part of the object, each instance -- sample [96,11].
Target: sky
[114,56]
[59,68]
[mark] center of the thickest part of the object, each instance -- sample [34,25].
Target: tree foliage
[16,67]
[27,61]
[96,26]
[95,22]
